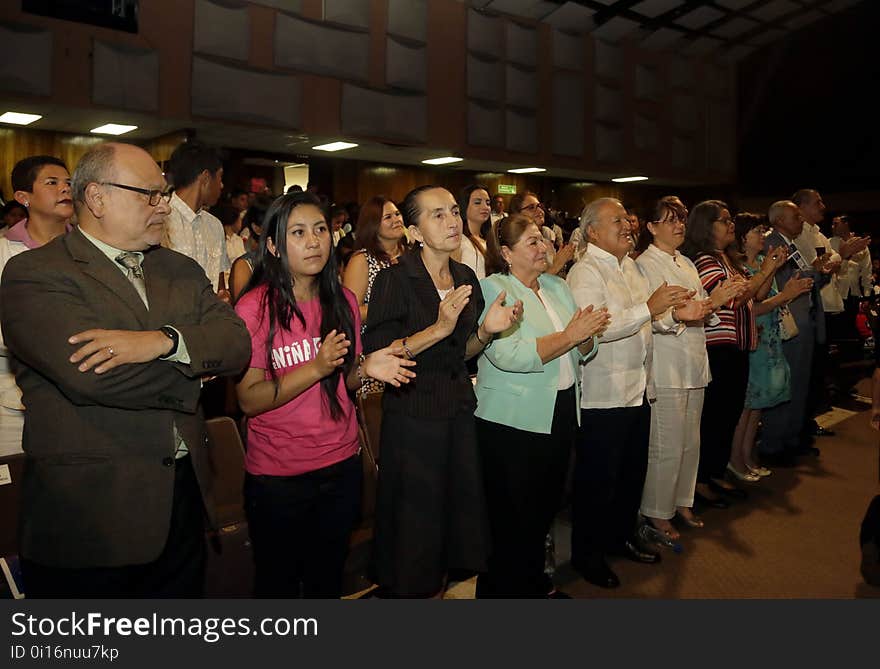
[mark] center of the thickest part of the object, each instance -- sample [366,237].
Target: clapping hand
[389,364]
[332,353]
[853,245]
[498,317]
[451,307]
[587,322]
[728,290]
[693,310]
[668,296]
[796,286]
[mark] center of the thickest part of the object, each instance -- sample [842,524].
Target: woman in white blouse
[681,373]
[476,209]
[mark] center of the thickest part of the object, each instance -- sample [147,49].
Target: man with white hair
[782,436]
[612,447]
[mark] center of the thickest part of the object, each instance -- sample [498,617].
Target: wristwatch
[173,335]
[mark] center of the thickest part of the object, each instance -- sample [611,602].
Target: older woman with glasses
[529,205]
[708,240]
[681,369]
[528,396]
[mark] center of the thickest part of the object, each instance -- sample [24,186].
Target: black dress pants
[178,572]
[612,460]
[722,408]
[300,528]
[524,473]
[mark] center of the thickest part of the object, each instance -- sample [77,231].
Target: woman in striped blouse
[709,235]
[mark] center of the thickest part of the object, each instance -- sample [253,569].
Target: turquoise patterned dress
[769,375]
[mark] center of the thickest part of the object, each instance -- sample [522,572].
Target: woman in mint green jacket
[528,399]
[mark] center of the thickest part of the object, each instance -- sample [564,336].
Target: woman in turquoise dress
[769,374]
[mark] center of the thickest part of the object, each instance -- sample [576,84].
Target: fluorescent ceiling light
[334,146]
[526,170]
[623,180]
[113,129]
[442,161]
[18,118]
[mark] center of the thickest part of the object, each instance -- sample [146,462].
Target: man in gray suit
[781,437]
[112,335]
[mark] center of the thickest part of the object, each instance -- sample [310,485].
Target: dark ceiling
[731,28]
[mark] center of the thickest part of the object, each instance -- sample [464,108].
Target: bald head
[112,185]
[785,216]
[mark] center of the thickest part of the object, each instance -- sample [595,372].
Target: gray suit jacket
[99,475]
[805,314]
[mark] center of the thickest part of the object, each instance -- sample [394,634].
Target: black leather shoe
[735,493]
[598,573]
[717,503]
[631,551]
[820,431]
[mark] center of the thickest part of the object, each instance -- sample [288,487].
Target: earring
[27,204]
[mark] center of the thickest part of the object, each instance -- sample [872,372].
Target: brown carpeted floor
[795,537]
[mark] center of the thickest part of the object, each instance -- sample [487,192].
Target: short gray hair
[590,213]
[777,209]
[94,167]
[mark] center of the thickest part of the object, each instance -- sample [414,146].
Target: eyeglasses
[532,207]
[154,194]
[672,220]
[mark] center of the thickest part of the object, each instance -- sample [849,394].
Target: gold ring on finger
[111,351]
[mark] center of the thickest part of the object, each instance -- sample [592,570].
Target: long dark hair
[699,238]
[464,201]
[279,301]
[368,223]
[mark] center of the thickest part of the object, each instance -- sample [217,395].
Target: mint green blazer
[514,387]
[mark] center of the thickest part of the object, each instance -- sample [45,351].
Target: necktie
[132,263]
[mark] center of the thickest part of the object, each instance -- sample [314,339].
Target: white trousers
[673,451]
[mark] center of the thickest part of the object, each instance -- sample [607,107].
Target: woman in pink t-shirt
[303,480]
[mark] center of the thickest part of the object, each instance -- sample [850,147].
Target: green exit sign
[507,189]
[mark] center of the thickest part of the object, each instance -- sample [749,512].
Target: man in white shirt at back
[196,172]
[612,448]
[854,281]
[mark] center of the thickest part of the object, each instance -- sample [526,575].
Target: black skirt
[430,509]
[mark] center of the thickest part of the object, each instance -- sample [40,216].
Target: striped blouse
[737,324]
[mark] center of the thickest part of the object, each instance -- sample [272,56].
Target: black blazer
[99,474]
[405,301]
[807,308]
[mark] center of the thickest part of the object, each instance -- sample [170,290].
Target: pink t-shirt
[299,436]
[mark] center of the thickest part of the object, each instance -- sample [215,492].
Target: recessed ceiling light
[526,170]
[334,146]
[442,161]
[18,118]
[113,129]
[623,180]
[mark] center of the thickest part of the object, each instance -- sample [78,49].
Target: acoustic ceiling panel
[124,77]
[408,18]
[393,116]
[313,47]
[31,75]
[221,30]
[568,114]
[266,99]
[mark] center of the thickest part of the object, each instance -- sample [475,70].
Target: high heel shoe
[748,477]
[760,471]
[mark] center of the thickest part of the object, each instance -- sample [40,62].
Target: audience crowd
[641,368]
